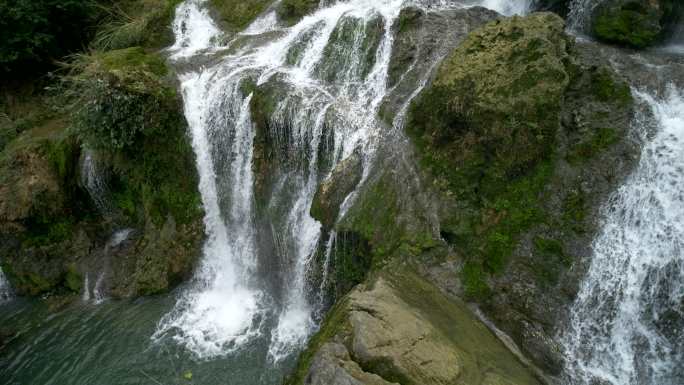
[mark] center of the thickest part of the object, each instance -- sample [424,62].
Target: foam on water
[627,323]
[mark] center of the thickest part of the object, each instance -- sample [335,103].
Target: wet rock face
[422,39]
[334,190]
[401,329]
[635,23]
[520,184]
[561,7]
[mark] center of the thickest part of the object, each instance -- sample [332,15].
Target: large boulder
[401,329]
[523,137]
[634,23]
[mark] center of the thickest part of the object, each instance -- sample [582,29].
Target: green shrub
[136,23]
[123,97]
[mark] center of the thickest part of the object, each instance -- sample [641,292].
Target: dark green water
[86,344]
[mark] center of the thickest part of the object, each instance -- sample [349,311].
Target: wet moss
[634,23]
[238,14]
[607,88]
[551,260]
[291,11]
[335,322]
[73,280]
[486,133]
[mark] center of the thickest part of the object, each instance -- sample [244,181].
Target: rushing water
[627,325]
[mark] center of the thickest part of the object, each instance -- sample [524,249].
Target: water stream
[627,325]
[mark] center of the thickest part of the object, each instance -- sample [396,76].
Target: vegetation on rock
[635,23]
[237,14]
[291,11]
[118,103]
[486,131]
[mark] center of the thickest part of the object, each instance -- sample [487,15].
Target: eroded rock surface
[398,328]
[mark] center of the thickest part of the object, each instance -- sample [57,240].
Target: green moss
[473,278]
[72,279]
[574,210]
[31,283]
[633,24]
[238,14]
[44,231]
[352,261]
[551,260]
[486,133]
[608,89]
[291,11]
[335,322]
[593,144]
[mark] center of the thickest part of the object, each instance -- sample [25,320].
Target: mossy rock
[486,128]
[236,15]
[291,11]
[634,23]
[398,328]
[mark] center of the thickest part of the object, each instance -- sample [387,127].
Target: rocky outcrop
[291,11]
[399,329]
[523,137]
[635,23]
[333,191]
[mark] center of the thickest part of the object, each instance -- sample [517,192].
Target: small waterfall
[509,7]
[92,177]
[580,14]
[5,289]
[98,293]
[627,325]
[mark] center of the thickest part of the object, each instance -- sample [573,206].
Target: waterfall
[5,289]
[98,293]
[94,182]
[627,324]
[329,72]
[508,7]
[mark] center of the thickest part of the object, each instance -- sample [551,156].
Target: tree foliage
[37,32]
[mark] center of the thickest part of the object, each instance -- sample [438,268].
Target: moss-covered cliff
[104,149]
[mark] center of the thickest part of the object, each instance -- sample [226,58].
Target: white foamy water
[94,182]
[195,31]
[627,325]
[97,293]
[508,7]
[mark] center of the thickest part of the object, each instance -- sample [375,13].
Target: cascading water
[627,324]
[330,74]
[5,290]
[94,183]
